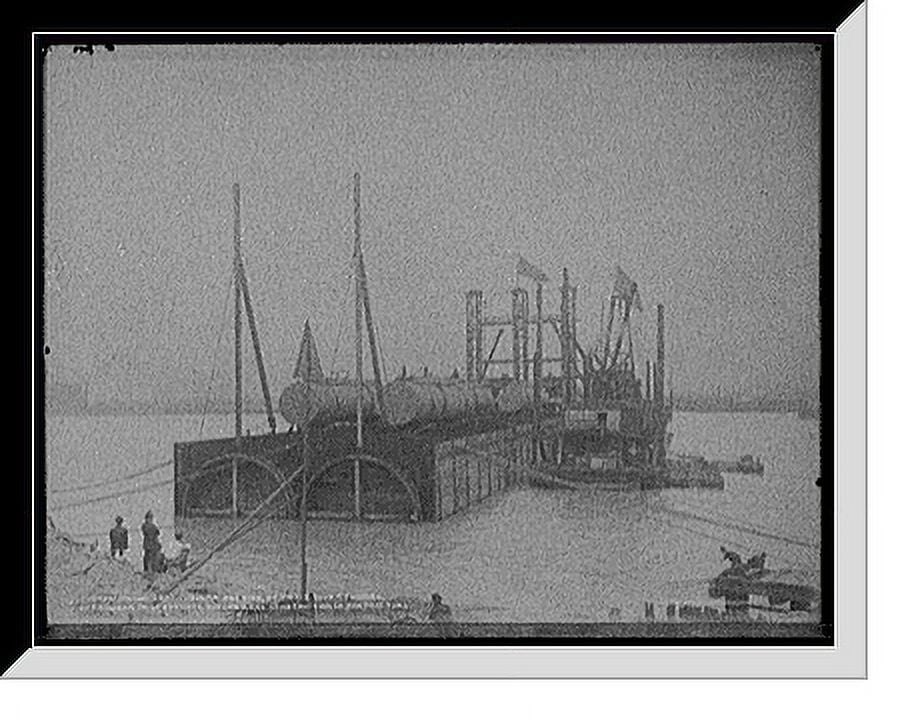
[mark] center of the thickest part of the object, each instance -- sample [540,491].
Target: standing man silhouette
[119,538]
[151,543]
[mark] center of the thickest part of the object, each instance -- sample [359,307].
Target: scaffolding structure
[527,359]
[598,387]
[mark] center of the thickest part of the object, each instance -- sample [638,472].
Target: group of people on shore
[154,557]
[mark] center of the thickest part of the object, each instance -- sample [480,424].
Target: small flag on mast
[626,289]
[531,271]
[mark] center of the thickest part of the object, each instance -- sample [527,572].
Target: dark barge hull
[422,472]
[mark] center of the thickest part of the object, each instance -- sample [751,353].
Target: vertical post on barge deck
[567,368]
[237,349]
[648,386]
[537,375]
[516,363]
[607,341]
[470,327]
[659,374]
[574,344]
[537,355]
[659,383]
[525,335]
[357,260]
[304,518]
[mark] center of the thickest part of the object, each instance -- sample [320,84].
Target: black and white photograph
[435,339]
[470,334]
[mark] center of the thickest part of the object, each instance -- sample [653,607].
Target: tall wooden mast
[237,345]
[357,264]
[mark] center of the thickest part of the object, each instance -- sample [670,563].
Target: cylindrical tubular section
[514,397]
[302,403]
[413,399]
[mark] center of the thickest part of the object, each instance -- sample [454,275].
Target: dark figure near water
[119,539]
[757,562]
[151,544]
[732,557]
[438,611]
[182,557]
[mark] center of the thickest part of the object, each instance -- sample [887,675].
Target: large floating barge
[409,474]
[424,448]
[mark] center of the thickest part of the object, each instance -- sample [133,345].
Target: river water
[525,555]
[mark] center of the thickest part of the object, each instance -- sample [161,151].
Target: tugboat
[744,465]
[687,471]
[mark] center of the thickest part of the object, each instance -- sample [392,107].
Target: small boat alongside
[744,465]
[693,471]
[678,472]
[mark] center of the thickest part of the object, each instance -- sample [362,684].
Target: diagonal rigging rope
[381,352]
[725,516]
[742,528]
[114,481]
[109,496]
[214,359]
[252,521]
[715,538]
[133,491]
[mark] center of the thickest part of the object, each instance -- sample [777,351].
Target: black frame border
[24,527]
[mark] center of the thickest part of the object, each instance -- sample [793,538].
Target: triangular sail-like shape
[308,366]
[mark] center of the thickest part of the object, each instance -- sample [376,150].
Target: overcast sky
[696,167]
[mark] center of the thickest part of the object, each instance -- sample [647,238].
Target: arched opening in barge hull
[386,493]
[208,491]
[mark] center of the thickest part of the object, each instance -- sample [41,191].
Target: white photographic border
[846,658]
